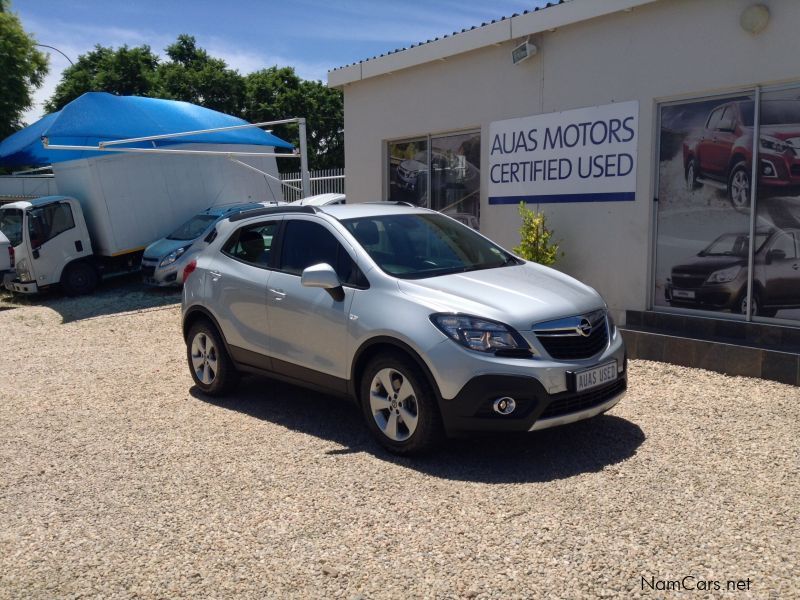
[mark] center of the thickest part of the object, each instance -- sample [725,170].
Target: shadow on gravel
[117,295]
[547,455]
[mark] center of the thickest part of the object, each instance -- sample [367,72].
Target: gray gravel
[117,479]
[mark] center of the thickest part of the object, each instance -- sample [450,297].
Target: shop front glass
[703,247]
[448,165]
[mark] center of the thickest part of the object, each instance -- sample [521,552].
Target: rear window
[11,225]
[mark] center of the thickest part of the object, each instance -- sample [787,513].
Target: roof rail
[395,203]
[272,210]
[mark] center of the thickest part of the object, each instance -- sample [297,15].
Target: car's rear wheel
[211,367]
[739,186]
[399,405]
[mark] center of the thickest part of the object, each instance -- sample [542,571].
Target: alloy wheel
[740,189]
[204,358]
[393,403]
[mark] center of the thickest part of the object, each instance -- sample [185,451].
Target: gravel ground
[119,480]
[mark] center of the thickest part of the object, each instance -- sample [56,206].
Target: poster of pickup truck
[704,205]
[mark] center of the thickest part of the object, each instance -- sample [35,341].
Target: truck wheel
[211,367]
[691,175]
[739,186]
[78,279]
[399,405]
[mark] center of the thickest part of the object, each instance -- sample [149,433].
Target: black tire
[691,174]
[758,308]
[428,431]
[216,374]
[78,279]
[739,186]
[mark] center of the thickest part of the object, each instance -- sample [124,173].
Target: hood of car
[705,265]
[518,295]
[164,246]
[782,132]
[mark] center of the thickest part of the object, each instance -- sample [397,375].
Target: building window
[447,165]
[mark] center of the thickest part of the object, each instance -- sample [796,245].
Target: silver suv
[432,328]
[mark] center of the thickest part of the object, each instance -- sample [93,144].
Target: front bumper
[15,285]
[471,410]
[157,276]
[717,296]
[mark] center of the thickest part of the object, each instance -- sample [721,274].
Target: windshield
[425,245]
[192,228]
[733,244]
[11,225]
[773,112]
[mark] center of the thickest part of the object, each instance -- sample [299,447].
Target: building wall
[662,51]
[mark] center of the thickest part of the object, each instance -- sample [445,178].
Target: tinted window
[785,242]
[192,228]
[713,120]
[252,244]
[11,225]
[46,222]
[306,244]
[425,245]
[773,112]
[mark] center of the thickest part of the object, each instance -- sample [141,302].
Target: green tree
[124,71]
[193,76]
[22,70]
[536,243]
[278,93]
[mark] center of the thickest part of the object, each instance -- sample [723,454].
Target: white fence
[323,181]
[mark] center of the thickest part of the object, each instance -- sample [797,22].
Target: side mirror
[323,276]
[775,254]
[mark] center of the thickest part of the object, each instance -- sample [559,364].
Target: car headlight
[724,275]
[773,144]
[479,334]
[21,267]
[173,256]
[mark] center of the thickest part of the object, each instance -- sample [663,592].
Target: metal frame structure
[110,146]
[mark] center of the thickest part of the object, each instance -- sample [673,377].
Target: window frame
[278,255]
[272,253]
[54,205]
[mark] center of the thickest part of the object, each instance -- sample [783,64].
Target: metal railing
[323,181]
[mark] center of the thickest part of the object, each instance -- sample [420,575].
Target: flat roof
[555,14]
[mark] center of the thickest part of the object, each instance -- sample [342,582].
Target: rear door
[308,328]
[237,289]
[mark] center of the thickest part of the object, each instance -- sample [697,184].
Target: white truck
[6,255]
[109,208]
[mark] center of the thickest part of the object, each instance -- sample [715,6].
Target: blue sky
[311,35]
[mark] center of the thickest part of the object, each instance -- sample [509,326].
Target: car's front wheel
[691,175]
[399,405]
[211,367]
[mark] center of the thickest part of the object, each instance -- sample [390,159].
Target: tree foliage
[536,243]
[189,73]
[22,70]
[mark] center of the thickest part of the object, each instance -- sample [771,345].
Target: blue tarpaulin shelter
[101,117]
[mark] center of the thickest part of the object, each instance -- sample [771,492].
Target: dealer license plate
[682,294]
[595,376]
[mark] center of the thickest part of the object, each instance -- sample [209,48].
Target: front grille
[570,347]
[148,271]
[680,280]
[583,401]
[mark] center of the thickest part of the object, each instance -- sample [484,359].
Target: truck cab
[51,245]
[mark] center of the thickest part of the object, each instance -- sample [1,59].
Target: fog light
[504,405]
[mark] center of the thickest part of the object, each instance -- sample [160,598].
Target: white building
[669,88]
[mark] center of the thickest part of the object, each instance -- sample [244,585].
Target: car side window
[786,243]
[252,243]
[46,222]
[306,244]
[713,119]
[725,122]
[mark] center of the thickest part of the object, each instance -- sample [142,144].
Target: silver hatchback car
[430,327]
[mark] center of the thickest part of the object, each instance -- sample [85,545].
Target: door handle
[215,275]
[277,294]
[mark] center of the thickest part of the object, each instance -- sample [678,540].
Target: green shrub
[536,243]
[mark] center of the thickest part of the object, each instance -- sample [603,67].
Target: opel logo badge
[584,328]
